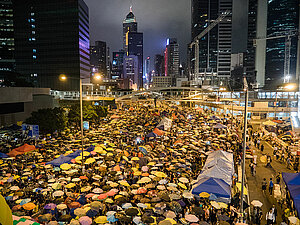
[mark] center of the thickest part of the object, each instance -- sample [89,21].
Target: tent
[220,154]
[220,126]
[219,162]
[21,150]
[212,186]
[292,181]
[217,172]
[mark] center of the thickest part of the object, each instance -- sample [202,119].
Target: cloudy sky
[157,19]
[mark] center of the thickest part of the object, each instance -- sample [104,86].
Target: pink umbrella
[90,195]
[102,196]
[73,161]
[85,220]
[191,218]
[145,168]
[93,153]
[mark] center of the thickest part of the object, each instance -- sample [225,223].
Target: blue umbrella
[111,216]
[24,201]
[92,213]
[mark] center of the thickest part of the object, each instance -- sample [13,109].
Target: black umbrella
[132,211]
[65,218]
[223,217]
[147,219]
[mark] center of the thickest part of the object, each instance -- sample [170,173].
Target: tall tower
[172,59]
[129,25]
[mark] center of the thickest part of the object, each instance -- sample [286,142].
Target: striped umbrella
[19,221]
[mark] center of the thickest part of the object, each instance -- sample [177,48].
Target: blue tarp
[2,155]
[292,181]
[212,186]
[67,159]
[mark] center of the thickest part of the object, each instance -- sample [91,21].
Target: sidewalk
[254,182]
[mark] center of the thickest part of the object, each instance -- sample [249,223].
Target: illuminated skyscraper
[283,16]
[52,38]
[7,62]
[98,58]
[129,25]
[172,59]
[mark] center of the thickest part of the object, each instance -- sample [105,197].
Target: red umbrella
[83,178]
[141,191]
[75,205]
[111,193]
[102,196]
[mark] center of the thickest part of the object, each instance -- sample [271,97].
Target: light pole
[63,77]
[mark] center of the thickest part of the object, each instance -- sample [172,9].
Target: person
[270,217]
[269,161]
[278,178]
[271,185]
[274,211]
[257,215]
[262,147]
[288,161]
[264,185]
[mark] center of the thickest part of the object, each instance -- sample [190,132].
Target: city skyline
[163,23]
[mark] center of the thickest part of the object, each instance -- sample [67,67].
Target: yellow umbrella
[16,177]
[110,154]
[118,196]
[56,156]
[263,159]
[85,153]
[124,183]
[70,185]
[5,212]
[110,149]
[171,220]
[160,174]
[124,157]
[135,159]
[68,153]
[90,161]
[223,205]
[239,186]
[204,195]
[101,220]
[182,185]
[137,173]
[151,163]
[65,166]
[109,200]
[98,149]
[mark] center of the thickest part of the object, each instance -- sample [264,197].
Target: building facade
[147,72]
[172,59]
[283,16]
[7,62]
[131,71]
[98,58]
[117,64]
[159,65]
[52,38]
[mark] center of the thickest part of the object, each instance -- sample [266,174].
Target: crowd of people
[135,171]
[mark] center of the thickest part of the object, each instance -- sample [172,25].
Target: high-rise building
[131,71]
[7,62]
[135,47]
[98,58]
[147,73]
[52,38]
[203,13]
[117,64]
[172,59]
[129,25]
[283,16]
[159,65]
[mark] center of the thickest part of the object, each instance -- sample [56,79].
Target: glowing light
[168,41]
[290,87]
[63,77]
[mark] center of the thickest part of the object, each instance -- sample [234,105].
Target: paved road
[254,182]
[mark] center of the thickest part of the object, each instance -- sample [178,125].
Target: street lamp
[63,77]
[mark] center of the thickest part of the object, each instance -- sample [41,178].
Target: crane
[287,52]
[202,34]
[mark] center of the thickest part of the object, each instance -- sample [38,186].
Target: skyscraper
[147,73]
[98,58]
[283,16]
[129,25]
[117,65]
[134,44]
[159,65]
[172,59]
[131,71]
[52,38]
[7,62]
[203,13]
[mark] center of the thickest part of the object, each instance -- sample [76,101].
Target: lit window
[32,25]
[29,39]
[33,39]
[34,56]
[32,20]
[32,14]
[34,50]
[33,32]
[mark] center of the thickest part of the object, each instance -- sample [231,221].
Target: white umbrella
[14,188]
[61,206]
[79,212]
[188,195]
[256,203]
[184,180]
[58,193]
[293,219]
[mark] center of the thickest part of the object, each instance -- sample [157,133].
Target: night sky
[157,19]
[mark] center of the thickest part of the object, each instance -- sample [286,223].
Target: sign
[31,130]
[86,125]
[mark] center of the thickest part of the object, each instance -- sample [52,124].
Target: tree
[49,120]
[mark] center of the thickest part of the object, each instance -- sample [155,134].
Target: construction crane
[202,34]
[287,52]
